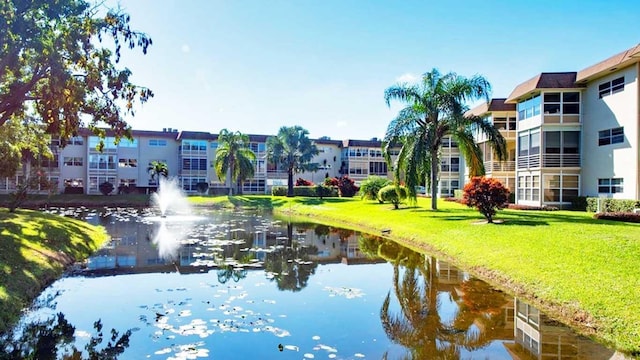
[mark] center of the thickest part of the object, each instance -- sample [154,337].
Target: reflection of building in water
[538,337]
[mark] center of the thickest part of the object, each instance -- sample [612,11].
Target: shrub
[618,216]
[346,186]
[279,191]
[579,203]
[393,194]
[309,191]
[202,187]
[323,191]
[611,205]
[106,188]
[531,207]
[371,186]
[303,182]
[486,194]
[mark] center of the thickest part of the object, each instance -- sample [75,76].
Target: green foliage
[279,191]
[34,249]
[292,150]
[579,203]
[106,188]
[370,187]
[309,191]
[202,187]
[485,194]
[323,191]
[22,140]
[53,68]
[234,156]
[157,168]
[435,109]
[393,194]
[32,181]
[611,205]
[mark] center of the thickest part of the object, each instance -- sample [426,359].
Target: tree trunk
[434,179]
[290,183]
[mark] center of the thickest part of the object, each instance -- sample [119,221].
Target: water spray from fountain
[170,197]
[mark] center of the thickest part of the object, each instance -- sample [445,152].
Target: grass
[38,201]
[583,271]
[34,250]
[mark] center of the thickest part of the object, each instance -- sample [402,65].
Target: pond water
[231,285]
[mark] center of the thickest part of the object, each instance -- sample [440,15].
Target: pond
[245,285]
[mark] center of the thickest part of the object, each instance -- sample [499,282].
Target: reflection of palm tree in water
[418,325]
[227,272]
[290,264]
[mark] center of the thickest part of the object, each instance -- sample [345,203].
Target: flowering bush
[303,182]
[485,194]
[346,186]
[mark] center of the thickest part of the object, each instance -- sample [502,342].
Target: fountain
[174,220]
[170,197]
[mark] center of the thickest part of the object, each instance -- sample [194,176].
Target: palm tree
[157,168]
[293,150]
[234,157]
[435,109]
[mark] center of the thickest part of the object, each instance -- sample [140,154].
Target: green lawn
[582,270]
[34,249]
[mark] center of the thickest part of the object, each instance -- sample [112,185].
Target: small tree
[393,194]
[485,194]
[106,188]
[346,186]
[371,186]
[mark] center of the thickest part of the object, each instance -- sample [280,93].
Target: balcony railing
[561,160]
[491,166]
[529,161]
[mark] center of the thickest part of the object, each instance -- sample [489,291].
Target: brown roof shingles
[492,105]
[555,80]
[622,59]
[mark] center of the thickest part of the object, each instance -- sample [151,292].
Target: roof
[364,143]
[134,133]
[195,135]
[615,62]
[492,105]
[555,80]
[328,142]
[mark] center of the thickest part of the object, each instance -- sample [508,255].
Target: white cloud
[185,48]
[407,78]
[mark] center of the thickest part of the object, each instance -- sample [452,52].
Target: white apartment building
[578,133]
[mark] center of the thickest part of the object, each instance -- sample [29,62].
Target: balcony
[529,161]
[561,160]
[499,166]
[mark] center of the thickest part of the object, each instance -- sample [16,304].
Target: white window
[72,161]
[610,185]
[611,87]
[529,188]
[157,142]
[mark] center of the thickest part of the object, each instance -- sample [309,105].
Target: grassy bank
[34,250]
[584,271]
[40,201]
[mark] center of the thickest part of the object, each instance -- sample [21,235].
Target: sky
[256,65]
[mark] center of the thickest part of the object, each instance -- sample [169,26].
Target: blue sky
[256,65]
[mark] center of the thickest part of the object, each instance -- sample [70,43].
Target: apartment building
[577,133]
[503,117]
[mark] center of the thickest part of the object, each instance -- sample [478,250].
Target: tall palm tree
[158,168]
[436,108]
[292,150]
[234,157]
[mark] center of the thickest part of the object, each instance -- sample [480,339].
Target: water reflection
[481,315]
[250,278]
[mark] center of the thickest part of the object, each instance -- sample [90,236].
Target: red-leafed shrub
[346,186]
[303,182]
[485,194]
[618,216]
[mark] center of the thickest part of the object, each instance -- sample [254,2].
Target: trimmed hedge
[611,205]
[309,191]
[618,216]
